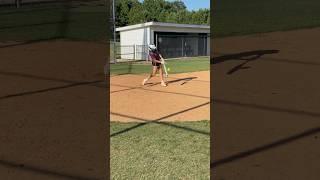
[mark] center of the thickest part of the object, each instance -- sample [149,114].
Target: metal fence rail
[123,53]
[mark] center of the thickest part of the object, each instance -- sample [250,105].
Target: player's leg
[161,76]
[153,73]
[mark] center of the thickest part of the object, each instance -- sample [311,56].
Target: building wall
[134,42]
[131,42]
[173,29]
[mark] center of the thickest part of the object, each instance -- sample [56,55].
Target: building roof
[161,24]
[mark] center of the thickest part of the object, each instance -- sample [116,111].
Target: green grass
[54,21]
[255,16]
[176,66]
[158,151]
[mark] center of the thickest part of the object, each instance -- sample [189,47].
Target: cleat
[163,84]
[144,82]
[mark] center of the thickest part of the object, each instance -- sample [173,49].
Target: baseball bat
[164,66]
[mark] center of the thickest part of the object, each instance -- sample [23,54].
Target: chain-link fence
[178,47]
[120,53]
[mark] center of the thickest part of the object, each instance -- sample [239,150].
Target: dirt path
[51,100]
[187,102]
[266,106]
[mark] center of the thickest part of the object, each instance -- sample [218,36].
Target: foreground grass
[255,16]
[86,21]
[157,151]
[176,66]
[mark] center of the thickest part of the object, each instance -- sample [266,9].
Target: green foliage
[130,12]
[123,8]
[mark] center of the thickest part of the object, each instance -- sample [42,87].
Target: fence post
[146,50]
[18,3]
[182,46]
[134,51]
[115,52]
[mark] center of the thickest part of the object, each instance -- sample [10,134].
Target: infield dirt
[186,98]
[266,107]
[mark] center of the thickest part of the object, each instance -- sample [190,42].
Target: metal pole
[182,46]
[18,2]
[114,31]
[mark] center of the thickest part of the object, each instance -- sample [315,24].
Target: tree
[183,17]
[123,8]
[137,15]
[130,12]
[154,9]
[176,6]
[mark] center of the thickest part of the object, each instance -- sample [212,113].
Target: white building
[172,40]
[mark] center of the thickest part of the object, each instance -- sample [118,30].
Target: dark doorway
[173,45]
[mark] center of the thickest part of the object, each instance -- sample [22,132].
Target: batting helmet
[152,47]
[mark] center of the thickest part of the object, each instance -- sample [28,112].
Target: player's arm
[155,60]
[162,59]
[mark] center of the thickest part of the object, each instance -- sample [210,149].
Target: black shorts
[156,64]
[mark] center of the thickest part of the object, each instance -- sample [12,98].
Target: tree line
[130,12]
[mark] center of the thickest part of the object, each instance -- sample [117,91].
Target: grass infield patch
[158,151]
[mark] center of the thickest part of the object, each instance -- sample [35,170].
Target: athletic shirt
[154,56]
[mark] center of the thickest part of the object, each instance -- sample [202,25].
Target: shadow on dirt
[49,89]
[158,121]
[39,170]
[263,148]
[246,56]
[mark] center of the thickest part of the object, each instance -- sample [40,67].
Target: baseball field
[160,132]
[266,90]
[266,98]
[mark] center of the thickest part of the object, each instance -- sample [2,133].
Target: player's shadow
[245,56]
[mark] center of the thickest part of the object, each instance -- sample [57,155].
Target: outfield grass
[54,21]
[254,16]
[158,151]
[176,66]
